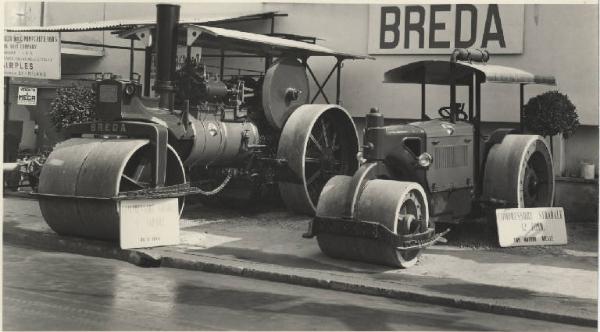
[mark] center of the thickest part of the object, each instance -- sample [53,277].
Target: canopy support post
[477,141]
[269,59]
[471,98]
[423,113]
[521,107]
[147,69]
[452,94]
[222,67]
[338,81]
[131,59]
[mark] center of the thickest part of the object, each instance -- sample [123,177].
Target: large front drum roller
[519,172]
[399,206]
[81,176]
[318,142]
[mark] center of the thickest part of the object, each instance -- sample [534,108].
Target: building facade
[561,40]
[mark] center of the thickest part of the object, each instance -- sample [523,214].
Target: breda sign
[438,29]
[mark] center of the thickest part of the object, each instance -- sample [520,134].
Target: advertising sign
[27,96]
[149,223]
[531,226]
[32,54]
[438,29]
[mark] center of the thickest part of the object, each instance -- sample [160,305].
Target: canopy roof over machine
[245,42]
[202,32]
[118,25]
[438,72]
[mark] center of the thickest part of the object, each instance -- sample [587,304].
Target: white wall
[559,39]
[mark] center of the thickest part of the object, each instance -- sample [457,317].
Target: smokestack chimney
[167,18]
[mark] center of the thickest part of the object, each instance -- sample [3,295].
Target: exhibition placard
[32,54]
[149,223]
[531,226]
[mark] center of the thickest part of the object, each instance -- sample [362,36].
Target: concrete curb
[154,258]
[18,194]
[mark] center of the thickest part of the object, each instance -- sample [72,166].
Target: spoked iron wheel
[324,157]
[317,142]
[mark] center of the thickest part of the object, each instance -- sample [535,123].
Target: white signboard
[32,54]
[149,223]
[531,226]
[27,96]
[440,28]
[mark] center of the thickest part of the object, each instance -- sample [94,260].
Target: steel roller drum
[519,172]
[383,201]
[318,142]
[81,175]
[285,88]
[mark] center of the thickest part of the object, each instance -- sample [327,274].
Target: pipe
[464,54]
[167,18]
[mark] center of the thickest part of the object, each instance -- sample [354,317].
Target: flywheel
[285,88]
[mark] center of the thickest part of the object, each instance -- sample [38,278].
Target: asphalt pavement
[554,283]
[46,290]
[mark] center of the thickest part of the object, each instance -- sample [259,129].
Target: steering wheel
[445,112]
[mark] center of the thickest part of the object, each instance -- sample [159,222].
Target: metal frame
[268,61]
[157,134]
[474,117]
[337,67]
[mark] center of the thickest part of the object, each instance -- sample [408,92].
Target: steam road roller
[202,134]
[432,171]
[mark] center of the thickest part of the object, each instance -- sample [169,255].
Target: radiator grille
[450,156]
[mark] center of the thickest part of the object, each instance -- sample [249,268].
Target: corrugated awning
[438,72]
[246,42]
[134,23]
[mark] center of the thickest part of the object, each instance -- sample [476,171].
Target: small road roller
[204,127]
[432,171]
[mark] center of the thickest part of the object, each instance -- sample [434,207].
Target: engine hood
[443,128]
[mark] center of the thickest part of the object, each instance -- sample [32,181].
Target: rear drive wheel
[318,142]
[519,172]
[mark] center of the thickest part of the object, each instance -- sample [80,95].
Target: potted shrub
[72,105]
[550,114]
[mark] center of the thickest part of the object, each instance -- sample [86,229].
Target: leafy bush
[73,105]
[551,113]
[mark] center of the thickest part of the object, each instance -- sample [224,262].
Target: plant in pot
[550,114]
[72,105]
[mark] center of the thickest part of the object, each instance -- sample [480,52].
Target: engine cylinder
[216,90]
[219,143]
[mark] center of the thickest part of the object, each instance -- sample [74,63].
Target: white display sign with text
[32,55]
[149,223]
[27,96]
[531,226]
[440,28]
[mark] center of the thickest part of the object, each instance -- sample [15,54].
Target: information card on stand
[149,223]
[531,226]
